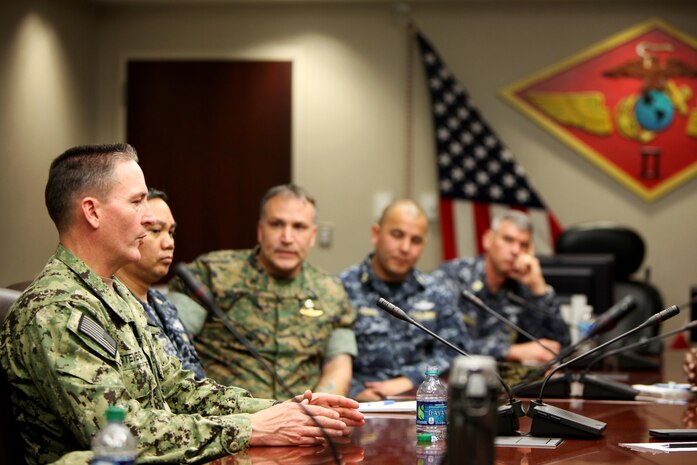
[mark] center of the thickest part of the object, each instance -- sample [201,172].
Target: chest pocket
[305,324]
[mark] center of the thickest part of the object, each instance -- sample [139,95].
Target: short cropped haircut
[156,194]
[519,219]
[400,202]
[286,190]
[79,171]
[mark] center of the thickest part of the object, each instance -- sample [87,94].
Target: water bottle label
[431,413]
[113,461]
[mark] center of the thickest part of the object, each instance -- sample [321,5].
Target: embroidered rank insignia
[94,331]
[308,309]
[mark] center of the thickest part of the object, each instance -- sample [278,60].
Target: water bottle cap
[114,413]
[432,371]
[423,437]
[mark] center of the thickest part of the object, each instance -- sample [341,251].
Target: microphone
[561,383]
[605,322]
[548,420]
[205,296]
[197,288]
[597,387]
[508,423]
[477,302]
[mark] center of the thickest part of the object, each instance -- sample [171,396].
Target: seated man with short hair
[508,265]
[156,255]
[393,355]
[77,341]
[296,315]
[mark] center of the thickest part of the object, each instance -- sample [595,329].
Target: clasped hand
[303,419]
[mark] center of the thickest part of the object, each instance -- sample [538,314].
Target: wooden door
[214,135]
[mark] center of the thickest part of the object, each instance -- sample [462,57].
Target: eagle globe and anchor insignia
[627,104]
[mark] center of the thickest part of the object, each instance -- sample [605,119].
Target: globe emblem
[654,110]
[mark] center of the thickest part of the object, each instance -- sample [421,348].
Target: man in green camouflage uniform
[77,341]
[297,316]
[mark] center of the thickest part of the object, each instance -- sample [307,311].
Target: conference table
[390,439]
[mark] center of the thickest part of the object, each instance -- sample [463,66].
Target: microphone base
[596,387]
[507,422]
[558,387]
[549,421]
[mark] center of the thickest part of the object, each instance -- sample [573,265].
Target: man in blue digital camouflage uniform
[508,266]
[156,255]
[393,355]
[77,341]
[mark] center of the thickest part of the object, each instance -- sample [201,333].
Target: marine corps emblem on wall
[627,104]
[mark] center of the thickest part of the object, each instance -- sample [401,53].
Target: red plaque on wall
[627,104]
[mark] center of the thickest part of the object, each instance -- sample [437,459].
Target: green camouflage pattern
[516,373]
[81,457]
[289,321]
[63,379]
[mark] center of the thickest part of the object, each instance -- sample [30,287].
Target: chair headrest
[604,237]
[7,298]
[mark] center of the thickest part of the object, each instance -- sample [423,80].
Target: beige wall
[47,103]
[349,107]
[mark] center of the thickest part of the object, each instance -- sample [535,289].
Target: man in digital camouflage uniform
[393,355]
[296,315]
[156,255]
[77,341]
[508,266]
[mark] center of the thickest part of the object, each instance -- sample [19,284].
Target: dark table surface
[391,439]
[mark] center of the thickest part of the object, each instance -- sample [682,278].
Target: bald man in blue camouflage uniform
[393,355]
[77,341]
[508,266]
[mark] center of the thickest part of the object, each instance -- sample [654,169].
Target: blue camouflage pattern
[174,336]
[388,347]
[489,335]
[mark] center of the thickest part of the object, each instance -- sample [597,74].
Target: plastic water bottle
[114,444]
[432,406]
[428,452]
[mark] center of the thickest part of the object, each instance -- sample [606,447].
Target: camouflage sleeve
[80,379]
[80,457]
[342,341]
[346,312]
[548,322]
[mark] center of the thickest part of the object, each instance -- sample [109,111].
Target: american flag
[477,174]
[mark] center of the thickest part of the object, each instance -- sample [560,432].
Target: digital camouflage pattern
[491,336]
[73,345]
[289,321]
[82,457]
[388,347]
[174,336]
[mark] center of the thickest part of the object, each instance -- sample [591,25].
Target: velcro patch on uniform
[423,315]
[91,329]
[368,311]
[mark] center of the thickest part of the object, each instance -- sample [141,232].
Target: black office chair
[10,440]
[628,248]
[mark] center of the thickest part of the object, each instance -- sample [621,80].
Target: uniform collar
[415,281]
[117,298]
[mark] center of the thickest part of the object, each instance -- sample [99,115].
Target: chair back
[628,248]
[10,441]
